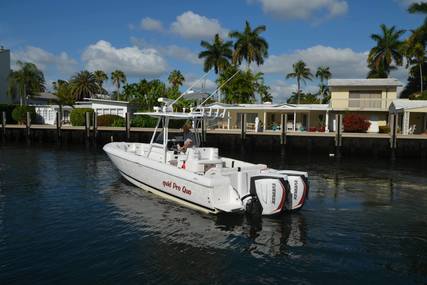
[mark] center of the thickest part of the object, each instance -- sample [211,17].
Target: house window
[365,99]
[120,112]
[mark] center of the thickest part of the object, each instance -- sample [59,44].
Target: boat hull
[172,183]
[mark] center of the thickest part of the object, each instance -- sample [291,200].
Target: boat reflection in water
[174,224]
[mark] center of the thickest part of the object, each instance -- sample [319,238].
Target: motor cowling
[269,193]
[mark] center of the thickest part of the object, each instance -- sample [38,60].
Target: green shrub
[119,122]
[19,114]
[8,109]
[77,116]
[143,122]
[108,120]
[384,129]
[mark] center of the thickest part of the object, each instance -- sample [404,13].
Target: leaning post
[28,126]
[127,125]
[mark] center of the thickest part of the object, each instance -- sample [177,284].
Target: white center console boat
[199,178]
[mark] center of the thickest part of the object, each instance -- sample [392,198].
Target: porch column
[405,127]
[308,122]
[228,120]
[295,121]
[327,122]
[264,125]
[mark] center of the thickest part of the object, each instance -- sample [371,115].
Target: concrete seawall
[319,143]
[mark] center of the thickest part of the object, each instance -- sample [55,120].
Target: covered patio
[268,117]
[411,115]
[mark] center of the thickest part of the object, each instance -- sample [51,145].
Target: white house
[105,106]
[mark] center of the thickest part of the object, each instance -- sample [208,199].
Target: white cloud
[133,61]
[282,90]
[46,61]
[190,25]
[297,9]
[172,51]
[206,85]
[150,24]
[343,62]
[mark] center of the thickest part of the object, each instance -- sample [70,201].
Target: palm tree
[26,82]
[249,45]
[301,72]
[83,85]
[118,77]
[217,54]
[418,8]
[100,77]
[416,56]
[176,78]
[323,73]
[388,49]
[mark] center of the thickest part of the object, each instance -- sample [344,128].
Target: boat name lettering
[174,186]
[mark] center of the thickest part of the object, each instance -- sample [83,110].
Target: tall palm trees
[176,78]
[301,72]
[388,49]
[100,77]
[83,85]
[216,54]
[118,77]
[26,82]
[323,73]
[249,45]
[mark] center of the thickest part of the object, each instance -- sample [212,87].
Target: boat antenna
[219,88]
[192,85]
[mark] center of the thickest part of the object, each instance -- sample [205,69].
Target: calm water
[66,216]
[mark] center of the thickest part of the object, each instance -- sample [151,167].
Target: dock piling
[283,128]
[3,125]
[243,126]
[95,126]
[58,126]
[28,127]
[87,126]
[338,135]
[127,125]
[393,135]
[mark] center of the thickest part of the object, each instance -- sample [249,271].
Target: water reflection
[175,224]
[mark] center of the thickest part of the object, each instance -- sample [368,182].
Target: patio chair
[412,130]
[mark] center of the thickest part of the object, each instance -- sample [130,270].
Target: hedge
[77,116]
[19,114]
[110,121]
[384,129]
[354,123]
[8,109]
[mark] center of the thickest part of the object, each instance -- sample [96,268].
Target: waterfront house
[106,106]
[411,115]
[302,117]
[368,97]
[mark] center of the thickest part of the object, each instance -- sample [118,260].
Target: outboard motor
[275,192]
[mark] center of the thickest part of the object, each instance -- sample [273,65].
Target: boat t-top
[198,177]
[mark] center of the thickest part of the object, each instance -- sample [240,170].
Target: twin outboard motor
[276,192]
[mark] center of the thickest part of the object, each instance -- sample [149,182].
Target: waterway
[67,217]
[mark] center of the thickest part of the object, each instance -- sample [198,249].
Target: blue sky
[147,39]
